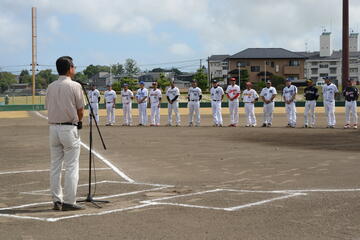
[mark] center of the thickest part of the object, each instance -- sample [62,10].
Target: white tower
[354,42]
[325,44]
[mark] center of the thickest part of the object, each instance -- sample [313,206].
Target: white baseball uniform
[155,97]
[110,97]
[94,102]
[249,97]
[172,93]
[194,95]
[216,99]
[233,92]
[289,92]
[268,93]
[329,102]
[126,98]
[141,93]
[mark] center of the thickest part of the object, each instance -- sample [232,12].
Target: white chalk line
[98,155]
[47,170]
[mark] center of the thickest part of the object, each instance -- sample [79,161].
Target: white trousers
[194,112]
[351,110]
[250,114]
[173,107]
[234,112]
[127,113]
[291,113]
[309,113]
[268,112]
[95,107]
[142,113]
[110,110]
[216,112]
[155,114]
[330,112]
[64,150]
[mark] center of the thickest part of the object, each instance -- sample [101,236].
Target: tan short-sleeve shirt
[63,98]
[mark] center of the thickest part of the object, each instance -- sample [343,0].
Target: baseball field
[188,183]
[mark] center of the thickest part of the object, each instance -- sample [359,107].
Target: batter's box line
[158,200]
[41,192]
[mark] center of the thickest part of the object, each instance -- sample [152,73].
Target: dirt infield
[189,183]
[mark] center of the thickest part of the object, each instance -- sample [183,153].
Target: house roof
[267,53]
[218,58]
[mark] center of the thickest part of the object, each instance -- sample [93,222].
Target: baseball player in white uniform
[217,95]
[155,101]
[250,97]
[268,95]
[110,98]
[233,93]
[94,97]
[329,91]
[142,97]
[172,95]
[351,94]
[126,97]
[194,98]
[289,95]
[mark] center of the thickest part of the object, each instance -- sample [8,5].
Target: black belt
[216,100]
[66,123]
[194,100]
[109,102]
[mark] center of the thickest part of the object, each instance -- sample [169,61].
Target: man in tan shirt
[65,105]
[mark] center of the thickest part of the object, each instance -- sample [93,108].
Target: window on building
[255,68]
[354,70]
[333,63]
[272,64]
[314,71]
[322,75]
[314,79]
[294,63]
[352,61]
[243,64]
[314,63]
[225,67]
[333,70]
[324,65]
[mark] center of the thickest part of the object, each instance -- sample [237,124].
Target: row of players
[249,97]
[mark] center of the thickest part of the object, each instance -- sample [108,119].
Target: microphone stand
[89,197]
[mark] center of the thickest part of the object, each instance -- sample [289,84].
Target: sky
[162,33]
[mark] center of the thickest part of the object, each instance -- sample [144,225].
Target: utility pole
[209,72]
[34,51]
[239,65]
[345,44]
[265,70]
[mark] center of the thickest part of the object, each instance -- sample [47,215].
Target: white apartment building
[218,67]
[328,63]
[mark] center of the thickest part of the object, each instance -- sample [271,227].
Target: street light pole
[345,43]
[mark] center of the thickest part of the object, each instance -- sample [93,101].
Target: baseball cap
[309,81]
[153,83]
[214,81]
[232,79]
[288,80]
[268,81]
[141,82]
[126,85]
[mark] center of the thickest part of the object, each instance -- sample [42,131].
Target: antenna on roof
[306,46]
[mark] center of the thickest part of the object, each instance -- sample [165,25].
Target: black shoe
[306,126]
[269,125]
[264,125]
[71,207]
[57,206]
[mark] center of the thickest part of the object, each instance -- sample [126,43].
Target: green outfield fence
[39,107]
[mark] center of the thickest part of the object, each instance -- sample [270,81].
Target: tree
[278,82]
[6,79]
[158,70]
[163,81]
[80,76]
[132,82]
[47,77]
[91,70]
[201,78]
[24,77]
[117,69]
[131,67]
[244,77]
[259,86]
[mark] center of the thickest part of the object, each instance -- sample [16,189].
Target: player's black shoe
[264,125]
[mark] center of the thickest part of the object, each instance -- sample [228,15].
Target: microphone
[82,83]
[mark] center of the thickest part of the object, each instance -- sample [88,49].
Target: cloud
[180,49]
[54,24]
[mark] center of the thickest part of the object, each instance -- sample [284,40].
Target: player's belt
[216,100]
[194,100]
[108,102]
[66,123]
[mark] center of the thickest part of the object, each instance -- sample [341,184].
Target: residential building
[263,63]
[218,67]
[328,63]
[100,80]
